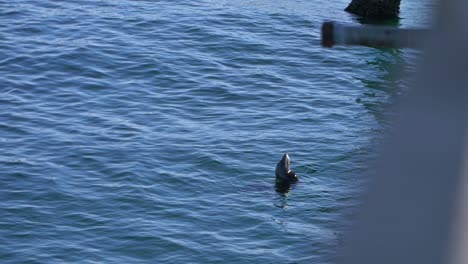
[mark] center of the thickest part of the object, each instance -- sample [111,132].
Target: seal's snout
[287,161]
[283,169]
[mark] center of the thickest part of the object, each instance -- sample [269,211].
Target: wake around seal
[283,170]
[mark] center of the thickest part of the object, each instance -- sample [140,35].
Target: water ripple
[148,131]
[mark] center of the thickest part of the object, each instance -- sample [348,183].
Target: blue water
[149,131]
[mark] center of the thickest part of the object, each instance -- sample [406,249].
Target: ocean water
[149,131]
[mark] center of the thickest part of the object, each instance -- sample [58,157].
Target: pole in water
[372,36]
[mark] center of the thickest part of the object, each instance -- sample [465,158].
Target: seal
[283,170]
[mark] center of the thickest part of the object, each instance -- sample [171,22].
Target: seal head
[283,170]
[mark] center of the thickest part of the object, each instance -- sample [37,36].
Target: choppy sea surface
[149,131]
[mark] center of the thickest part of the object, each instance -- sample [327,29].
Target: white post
[372,36]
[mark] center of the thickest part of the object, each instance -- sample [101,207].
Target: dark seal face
[283,170]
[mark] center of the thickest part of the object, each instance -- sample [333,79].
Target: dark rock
[376,9]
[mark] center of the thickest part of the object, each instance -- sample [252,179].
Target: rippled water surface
[148,131]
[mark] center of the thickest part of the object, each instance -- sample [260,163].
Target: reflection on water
[372,21]
[384,89]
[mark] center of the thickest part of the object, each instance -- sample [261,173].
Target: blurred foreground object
[416,208]
[379,9]
[372,36]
